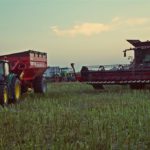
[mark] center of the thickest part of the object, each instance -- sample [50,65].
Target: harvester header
[136,74]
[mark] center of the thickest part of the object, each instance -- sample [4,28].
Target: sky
[86,32]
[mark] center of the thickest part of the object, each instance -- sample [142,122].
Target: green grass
[75,116]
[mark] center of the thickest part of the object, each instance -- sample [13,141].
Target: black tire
[24,89]
[57,78]
[98,86]
[16,89]
[4,97]
[40,85]
[84,71]
[137,86]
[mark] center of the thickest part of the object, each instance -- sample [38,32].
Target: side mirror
[125,54]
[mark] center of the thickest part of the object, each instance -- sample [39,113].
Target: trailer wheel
[98,86]
[40,85]
[4,95]
[16,89]
[24,89]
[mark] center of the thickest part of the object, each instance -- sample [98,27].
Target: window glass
[146,58]
[1,68]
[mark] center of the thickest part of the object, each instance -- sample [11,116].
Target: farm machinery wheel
[24,89]
[137,86]
[98,86]
[40,85]
[84,71]
[4,95]
[16,89]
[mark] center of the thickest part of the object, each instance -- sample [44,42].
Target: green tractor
[10,85]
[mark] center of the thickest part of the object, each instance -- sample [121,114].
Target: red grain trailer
[27,69]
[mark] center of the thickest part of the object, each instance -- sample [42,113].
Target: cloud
[137,21]
[120,22]
[90,28]
[86,29]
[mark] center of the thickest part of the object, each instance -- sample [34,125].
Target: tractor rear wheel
[4,95]
[16,89]
[40,85]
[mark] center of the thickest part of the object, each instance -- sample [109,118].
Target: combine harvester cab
[136,74]
[24,71]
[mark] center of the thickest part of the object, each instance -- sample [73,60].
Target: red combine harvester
[136,74]
[21,71]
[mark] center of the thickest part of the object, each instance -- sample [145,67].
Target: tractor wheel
[24,89]
[40,85]
[98,86]
[4,95]
[16,89]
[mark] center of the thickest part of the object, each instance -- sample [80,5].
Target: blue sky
[86,32]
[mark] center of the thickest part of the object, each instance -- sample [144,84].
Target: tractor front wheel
[4,95]
[16,90]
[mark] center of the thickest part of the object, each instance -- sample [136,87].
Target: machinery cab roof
[3,61]
[141,52]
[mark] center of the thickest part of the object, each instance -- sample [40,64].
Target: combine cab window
[142,56]
[1,68]
[146,59]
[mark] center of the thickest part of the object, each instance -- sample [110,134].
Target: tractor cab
[141,54]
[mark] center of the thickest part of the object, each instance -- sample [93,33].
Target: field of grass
[75,116]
